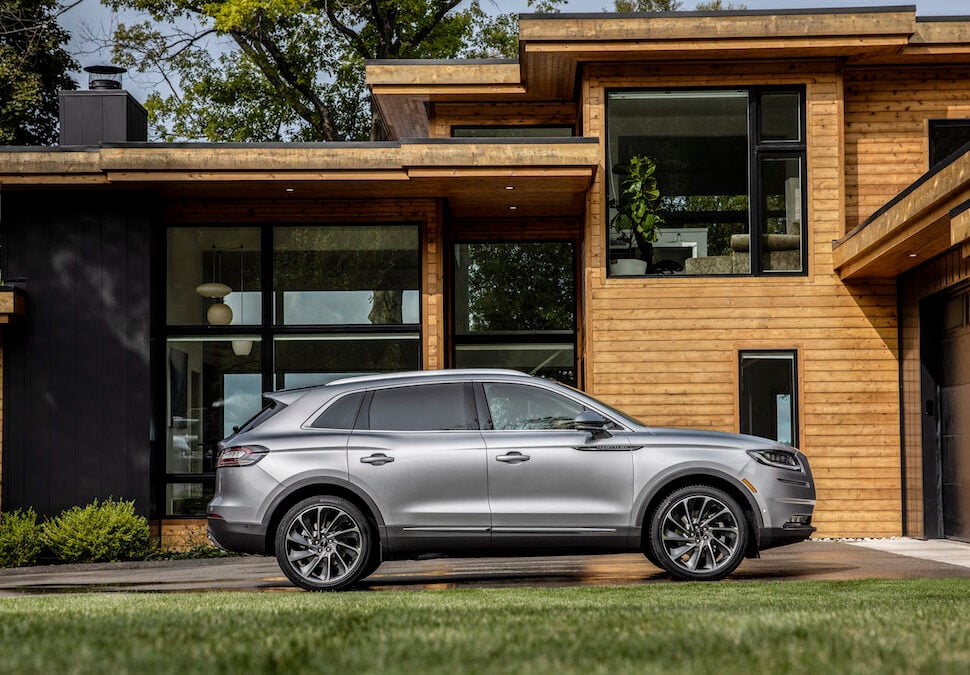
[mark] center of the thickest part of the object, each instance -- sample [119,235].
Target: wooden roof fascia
[691,26]
[918,222]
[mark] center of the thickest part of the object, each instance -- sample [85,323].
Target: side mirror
[592,423]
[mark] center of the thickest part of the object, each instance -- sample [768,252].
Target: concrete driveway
[806,561]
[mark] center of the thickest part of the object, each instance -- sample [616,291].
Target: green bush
[19,538]
[105,532]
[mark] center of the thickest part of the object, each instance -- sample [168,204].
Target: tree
[273,70]
[33,68]
[628,6]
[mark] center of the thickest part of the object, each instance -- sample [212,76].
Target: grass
[786,627]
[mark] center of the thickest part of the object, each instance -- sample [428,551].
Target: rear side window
[340,414]
[426,407]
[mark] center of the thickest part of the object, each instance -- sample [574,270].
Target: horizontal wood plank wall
[937,275]
[886,129]
[425,211]
[666,349]
[446,115]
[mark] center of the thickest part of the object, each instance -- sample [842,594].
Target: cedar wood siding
[667,348]
[887,114]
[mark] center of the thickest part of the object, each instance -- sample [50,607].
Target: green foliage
[196,552]
[99,532]
[19,538]
[33,67]
[629,6]
[282,70]
[638,207]
[718,6]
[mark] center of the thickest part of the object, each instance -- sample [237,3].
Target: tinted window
[340,414]
[271,409]
[426,407]
[517,406]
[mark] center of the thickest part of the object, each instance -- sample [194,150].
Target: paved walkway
[812,560]
[940,550]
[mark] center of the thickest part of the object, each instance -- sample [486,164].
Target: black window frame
[266,332]
[742,404]
[933,155]
[758,149]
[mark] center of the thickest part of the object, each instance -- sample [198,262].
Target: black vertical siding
[76,394]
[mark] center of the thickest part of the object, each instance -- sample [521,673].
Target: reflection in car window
[426,407]
[516,406]
[340,414]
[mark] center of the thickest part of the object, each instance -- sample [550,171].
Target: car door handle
[513,458]
[378,459]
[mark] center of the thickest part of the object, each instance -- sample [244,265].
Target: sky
[90,19]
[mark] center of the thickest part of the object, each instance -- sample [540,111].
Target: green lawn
[727,627]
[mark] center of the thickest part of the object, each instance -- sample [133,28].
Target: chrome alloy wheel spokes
[323,544]
[700,533]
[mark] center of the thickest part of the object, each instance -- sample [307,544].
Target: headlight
[780,459]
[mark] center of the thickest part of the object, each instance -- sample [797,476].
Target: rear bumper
[237,537]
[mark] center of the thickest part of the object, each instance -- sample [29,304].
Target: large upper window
[706,182]
[252,309]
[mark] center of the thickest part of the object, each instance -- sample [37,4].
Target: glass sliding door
[515,307]
[249,309]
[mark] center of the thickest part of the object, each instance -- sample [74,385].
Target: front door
[955,417]
[549,485]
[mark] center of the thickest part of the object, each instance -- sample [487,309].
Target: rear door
[551,486]
[418,452]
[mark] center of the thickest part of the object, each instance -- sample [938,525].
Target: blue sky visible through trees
[90,23]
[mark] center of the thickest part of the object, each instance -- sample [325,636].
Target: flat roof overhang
[553,47]
[928,218]
[547,178]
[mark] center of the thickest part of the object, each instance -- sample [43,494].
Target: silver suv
[335,479]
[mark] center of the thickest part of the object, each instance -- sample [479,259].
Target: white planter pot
[628,267]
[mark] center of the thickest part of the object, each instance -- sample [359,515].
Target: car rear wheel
[324,544]
[698,533]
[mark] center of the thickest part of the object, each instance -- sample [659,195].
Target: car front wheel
[698,533]
[324,544]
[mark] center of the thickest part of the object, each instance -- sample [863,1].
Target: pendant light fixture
[219,313]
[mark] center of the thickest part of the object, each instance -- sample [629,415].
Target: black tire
[325,544]
[698,533]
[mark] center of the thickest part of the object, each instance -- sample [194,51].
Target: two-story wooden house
[806,279]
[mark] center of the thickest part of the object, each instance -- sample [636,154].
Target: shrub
[19,538]
[105,532]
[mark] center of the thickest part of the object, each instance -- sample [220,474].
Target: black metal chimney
[104,113]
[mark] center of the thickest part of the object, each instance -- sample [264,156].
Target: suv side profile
[337,478]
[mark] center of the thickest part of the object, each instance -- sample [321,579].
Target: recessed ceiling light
[290,189]
[513,208]
[913,255]
[509,187]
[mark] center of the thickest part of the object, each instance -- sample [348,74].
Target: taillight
[241,455]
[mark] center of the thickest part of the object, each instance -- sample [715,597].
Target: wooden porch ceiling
[476,180]
[925,220]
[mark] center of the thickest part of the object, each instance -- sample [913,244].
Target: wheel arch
[316,487]
[709,478]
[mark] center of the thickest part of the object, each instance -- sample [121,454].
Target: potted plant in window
[637,220]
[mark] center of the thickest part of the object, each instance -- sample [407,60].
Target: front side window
[522,407]
[769,406]
[946,137]
[428,407]
[705,182]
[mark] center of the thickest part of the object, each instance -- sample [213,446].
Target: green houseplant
[637,219]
